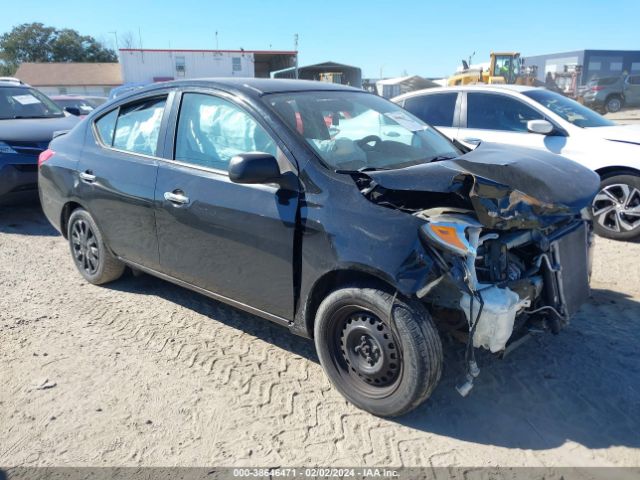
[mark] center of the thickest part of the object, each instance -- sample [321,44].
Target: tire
[382,369]
[613,104]
[616,207]
[93,259]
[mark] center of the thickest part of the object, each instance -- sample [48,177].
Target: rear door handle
[87,176]
[176,197]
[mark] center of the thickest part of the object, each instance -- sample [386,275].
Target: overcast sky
[388,37]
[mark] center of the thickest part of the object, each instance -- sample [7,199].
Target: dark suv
[28,120]
[333,212]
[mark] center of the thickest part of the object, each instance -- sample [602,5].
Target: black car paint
[272,252]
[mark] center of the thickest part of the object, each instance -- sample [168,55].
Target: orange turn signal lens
[448,235]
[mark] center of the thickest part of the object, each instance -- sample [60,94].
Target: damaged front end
[512,240]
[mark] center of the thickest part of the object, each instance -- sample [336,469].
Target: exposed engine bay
[510,262]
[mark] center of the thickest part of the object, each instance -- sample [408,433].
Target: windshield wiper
[362,170]
[22,117]
[440,158]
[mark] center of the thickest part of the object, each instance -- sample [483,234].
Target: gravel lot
[142,372]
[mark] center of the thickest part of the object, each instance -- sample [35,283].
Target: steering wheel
[364,143]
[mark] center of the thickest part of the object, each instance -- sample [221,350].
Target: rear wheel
[616,207]
[386,369]
[93,260]
[613,104]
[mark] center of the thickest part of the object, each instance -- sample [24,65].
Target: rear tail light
[597,88]
[44,156]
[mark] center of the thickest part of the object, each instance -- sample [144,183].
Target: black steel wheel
[384,368]
[93,260]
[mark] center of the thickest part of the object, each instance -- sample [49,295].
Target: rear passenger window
[212,130]
[437,110]
[106,125]
[138,126]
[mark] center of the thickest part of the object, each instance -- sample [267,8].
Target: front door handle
[87,176]
[177,197]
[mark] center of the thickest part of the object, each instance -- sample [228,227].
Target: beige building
[71,78]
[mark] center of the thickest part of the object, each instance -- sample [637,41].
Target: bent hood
[508,187]
[618,133]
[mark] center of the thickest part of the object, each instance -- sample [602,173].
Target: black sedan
[333,212]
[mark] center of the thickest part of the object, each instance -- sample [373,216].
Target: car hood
[618,133]
[36,130]
[508,187]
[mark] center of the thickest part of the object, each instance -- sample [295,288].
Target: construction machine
[504,67]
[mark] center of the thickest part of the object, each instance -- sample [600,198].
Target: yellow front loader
[504,67]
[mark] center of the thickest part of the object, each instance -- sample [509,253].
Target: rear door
[230,239]
[500,118]
[437,109]
[117,175]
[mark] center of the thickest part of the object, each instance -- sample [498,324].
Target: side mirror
[73,111]
[543,127]
[254,167]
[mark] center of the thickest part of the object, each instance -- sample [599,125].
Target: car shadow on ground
[25,220]
[582,385]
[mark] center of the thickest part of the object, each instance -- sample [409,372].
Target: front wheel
[613,104]
[616,207]
[90,254]
[386,368]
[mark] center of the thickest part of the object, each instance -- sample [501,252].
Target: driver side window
[498,112]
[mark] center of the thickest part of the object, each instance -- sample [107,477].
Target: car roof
[253,86]
[469,88]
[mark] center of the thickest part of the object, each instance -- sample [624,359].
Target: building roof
[281,52]
[70,74]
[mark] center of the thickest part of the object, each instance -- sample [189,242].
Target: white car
[538,118]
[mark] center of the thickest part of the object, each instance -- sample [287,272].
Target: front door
[498,118]
[117,176]
[231,239]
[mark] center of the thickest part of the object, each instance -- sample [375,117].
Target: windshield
[17,102]
[355,131]
[568,109]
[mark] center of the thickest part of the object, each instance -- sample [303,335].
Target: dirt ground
[141,372]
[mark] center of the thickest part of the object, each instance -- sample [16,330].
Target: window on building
[62,90]
[635,67]
[180,66]
[236,63]
[615,66]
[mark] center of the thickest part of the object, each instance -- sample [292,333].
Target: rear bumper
[18,180]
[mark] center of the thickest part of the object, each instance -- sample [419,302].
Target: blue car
[28,121]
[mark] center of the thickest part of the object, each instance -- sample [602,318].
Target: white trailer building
[153,65]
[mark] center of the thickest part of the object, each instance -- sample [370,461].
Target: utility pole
[295,44]
[217,47]
[115,34]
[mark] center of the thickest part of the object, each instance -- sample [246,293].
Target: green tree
[35,42]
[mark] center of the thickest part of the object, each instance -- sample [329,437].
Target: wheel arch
[606,172]
[65,215]
[334,280]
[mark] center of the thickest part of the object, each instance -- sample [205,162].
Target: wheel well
[67,210]
[607,172]
[333,281]
[614,95]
